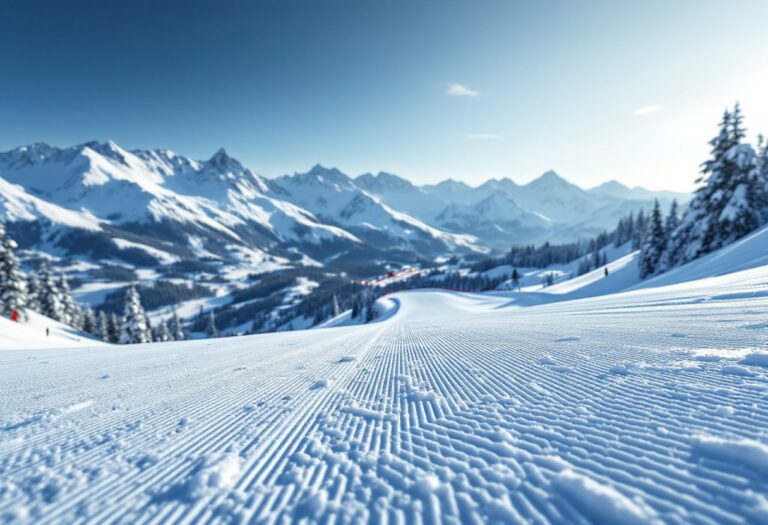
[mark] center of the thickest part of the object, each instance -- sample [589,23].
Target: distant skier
[47,331]
[15,316]
[606,271]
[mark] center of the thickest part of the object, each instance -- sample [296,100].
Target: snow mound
[601,503]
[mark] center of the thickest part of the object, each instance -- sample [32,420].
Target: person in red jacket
[15,316]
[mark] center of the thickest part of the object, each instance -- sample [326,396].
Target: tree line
[49,294]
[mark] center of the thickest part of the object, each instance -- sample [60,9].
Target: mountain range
[101,202]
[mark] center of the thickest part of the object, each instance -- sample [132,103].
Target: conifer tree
[336,310]
[13,282]
[90,324]
[731,200]
[51,303]
[33,292]
[370,305]
[673,219]
[114,328]
[72,312]
[654,243]
[135,327]
[177,332]
[211,328]
[762,159]
[163,333]
[103,322]
[638,230]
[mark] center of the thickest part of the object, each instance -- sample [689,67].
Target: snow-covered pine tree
[103,326]
[638,230]
[336,310]
[176,330]
[762,159]
[90,324]
[13,282]
[163,333]
[72,312]
[370,305]
[211,327]
[745,210]
[114,328]
[654,243]
[51,303]
[731,201]
[135,327]
[33,292]
[585,265]
[673,219]
[597,259]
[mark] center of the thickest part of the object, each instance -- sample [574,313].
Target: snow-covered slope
[31,333]
[640,407]
[746,253]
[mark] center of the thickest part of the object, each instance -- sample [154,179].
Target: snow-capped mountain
[501,212]
[337,199]
[497,216]
[614,188]
[156,206]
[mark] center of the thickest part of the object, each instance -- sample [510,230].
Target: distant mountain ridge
[155,207]
[547,208]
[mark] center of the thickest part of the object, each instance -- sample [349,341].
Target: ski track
[452,411]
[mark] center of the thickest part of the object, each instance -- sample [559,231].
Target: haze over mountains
[150,207]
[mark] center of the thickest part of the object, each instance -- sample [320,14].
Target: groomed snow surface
[642,407]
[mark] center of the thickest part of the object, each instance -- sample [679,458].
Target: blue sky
[429,90]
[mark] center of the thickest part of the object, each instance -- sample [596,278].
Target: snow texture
[456,408]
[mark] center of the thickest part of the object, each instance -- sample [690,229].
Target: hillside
[457,407]
[32,334]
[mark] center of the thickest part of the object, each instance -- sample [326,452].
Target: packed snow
[41,332]
[454,408]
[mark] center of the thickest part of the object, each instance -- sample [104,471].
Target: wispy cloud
[457,90]
[483,136]
[647,110]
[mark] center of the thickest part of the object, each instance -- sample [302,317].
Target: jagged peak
[319,169]
[384,179]
[220,157]
[223,161]
[550,178]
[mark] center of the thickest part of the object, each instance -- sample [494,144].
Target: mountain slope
[336,198]
[547,208]
[618,190]
[215,207]
[458,408]
[154,207]
[498,220]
